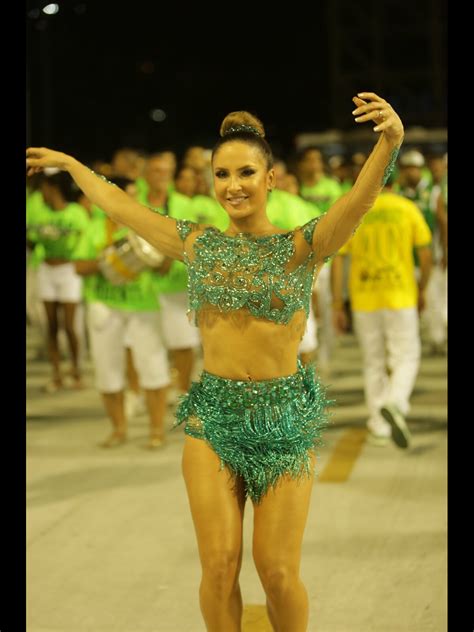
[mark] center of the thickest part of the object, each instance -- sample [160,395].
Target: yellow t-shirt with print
[382,271]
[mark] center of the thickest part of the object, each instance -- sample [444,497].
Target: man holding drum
[119,301]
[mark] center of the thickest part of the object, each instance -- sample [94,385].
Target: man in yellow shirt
[384,299]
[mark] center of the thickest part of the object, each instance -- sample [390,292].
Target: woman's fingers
[358,102]
[382,126]
[379,114]
[368,107]
[35,152]
[371,107]
[369,95]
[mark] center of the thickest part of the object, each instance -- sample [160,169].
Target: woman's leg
[151,362]
[70,327]
[156,406]
[183,360]
[106,333]
[114,405]
[279,523]
[132,375]
[218,514]
[51,308]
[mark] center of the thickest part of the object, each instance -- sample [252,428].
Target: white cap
[412,158]
[51,171]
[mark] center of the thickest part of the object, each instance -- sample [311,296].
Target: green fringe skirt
[260,430]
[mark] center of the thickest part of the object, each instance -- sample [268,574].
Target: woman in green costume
[254,419]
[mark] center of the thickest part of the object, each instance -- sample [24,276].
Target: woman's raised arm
[339,223]
[159,231]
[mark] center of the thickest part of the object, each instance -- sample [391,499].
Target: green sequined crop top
[268,276]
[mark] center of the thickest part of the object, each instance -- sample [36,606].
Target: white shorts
[309,342]
[178,333]
[107,327]
[59,283]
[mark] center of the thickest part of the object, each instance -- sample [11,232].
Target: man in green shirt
[321,191]
[424,190]
[315,186]
[117,312]
[180,336]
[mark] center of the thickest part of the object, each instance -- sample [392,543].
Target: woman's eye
[220,174]
[248,172]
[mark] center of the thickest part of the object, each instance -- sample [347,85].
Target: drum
[123,260]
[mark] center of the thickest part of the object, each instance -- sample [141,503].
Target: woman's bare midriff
[238,346]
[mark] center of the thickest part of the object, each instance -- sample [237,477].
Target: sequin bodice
[271,276]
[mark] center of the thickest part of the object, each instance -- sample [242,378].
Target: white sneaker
[400,432]
[377,439]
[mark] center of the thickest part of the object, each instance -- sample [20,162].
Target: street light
[51,9]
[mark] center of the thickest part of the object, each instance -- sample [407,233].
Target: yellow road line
[255,619]
[343,457]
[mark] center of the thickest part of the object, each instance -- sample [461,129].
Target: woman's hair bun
[243,120]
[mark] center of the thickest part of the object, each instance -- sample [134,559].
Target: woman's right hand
[39,158]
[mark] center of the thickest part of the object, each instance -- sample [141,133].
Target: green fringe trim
[260,430]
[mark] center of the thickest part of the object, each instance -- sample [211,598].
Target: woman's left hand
[371,107]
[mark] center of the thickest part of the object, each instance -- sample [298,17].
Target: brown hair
[247,128]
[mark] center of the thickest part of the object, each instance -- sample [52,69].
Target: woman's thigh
[217,509]
[280,521]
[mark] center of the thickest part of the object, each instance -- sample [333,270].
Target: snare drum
[123,260]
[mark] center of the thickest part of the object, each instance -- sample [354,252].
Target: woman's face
[241,179]
[186,182]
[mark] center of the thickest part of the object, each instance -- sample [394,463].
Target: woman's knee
[70,331]
[221,568]
[53,329]
[275,574]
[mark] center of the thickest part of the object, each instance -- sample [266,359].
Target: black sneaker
[400,433]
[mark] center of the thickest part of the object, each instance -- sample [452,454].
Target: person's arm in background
[337,283]
[86,267]
[442,218]
[426,261]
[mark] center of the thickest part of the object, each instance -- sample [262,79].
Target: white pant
[326,334]
[59,283]
[178,332]
[309,341]
[388,337]
[436,312]
[107,327]
[37,316]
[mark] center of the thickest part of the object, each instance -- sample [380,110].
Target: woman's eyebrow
[238,168]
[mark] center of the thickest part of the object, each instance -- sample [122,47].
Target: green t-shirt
[34,209]
[421,196]
[444,191]
[207,210]
[287,211]
[97,212]
[346,186]
[137,295]
[323,194]
[143,188]
[58,232]
[177,206]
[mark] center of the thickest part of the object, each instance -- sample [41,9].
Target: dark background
[96,69]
